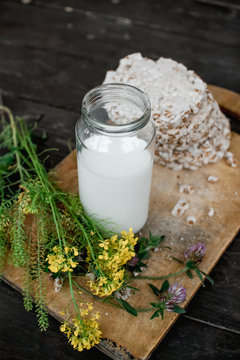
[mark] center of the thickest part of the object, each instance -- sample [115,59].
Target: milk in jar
[115,159]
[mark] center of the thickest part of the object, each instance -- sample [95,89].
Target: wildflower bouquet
[46,231]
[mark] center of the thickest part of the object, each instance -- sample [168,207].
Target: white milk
[114,175]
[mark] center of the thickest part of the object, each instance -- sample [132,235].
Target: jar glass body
[115,149]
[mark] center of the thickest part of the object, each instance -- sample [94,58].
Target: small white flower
[58,284]
[91,276]
[123,294]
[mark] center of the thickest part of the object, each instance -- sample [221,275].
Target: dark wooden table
[51,54]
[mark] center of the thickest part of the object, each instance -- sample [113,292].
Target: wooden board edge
[229,101]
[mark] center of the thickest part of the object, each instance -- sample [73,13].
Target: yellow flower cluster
[62,261]
[84,333]
[112,254]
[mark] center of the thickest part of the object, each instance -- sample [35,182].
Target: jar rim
[117,89]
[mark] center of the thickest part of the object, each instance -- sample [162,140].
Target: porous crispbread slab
[191,131]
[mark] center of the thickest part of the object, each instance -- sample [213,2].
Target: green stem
[92,223]
[145,310]
[56,223]
[33,156]
[14,134]
[160,277]
[73,298]
[84,234]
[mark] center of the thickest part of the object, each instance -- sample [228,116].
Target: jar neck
[116,108]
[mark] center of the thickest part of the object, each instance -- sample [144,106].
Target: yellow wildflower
[90,306]
[75,251]
[72,263]
[83,312]
[59,261]
[66,268]
[66,249]
[54,268]
[112,255]
[84,333]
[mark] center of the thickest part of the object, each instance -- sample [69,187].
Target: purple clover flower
[175,294]
[195,252]
[133,261]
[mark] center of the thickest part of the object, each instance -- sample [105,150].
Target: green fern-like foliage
[27,300]
[18,254]
[37,265]
[42,315]
[27,290]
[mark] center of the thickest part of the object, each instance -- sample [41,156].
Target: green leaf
[189,274]
[142,243]
[6,160]
[155,314]
[178,309]
[127,307]
[154,304]
[154,241]
[161,312]
[141,264]
[199,275]
[144,255]
[154,289]
[165,286]
[133,288]
[191,265]
[208,277]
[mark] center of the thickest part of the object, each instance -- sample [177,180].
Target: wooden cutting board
[125,336]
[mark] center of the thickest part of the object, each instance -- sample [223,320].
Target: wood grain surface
[119,328]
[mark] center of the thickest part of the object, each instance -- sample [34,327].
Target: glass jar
[115,149]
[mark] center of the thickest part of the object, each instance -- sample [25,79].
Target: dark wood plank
[210,21]
[175,19]
[59,79]
[225,5]
[188,340]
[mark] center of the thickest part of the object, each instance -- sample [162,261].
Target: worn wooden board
[126,336]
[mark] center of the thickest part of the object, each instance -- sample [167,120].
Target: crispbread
[190,128]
